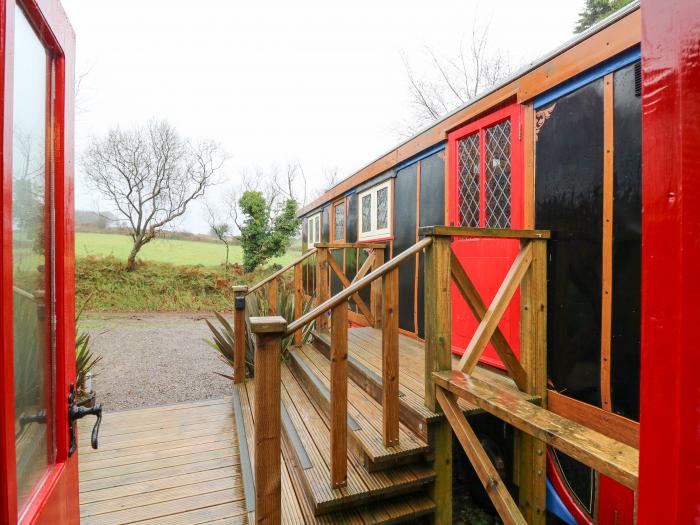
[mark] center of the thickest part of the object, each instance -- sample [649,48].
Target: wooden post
[532,461]
[272,296]
[390,357]
[376,289]
[322,284]
[339,395]
[268,481]
[298,295]
[239,335]
[438,356]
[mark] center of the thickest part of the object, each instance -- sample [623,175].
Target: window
[375,211]
[339,221]
[313,225]
[484,177]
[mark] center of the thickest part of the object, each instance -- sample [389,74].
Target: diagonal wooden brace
[356,297]
[473,299]
[492,317]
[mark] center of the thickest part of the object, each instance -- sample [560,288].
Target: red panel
[615,503]
[487,260]
[57,500]
[669,488]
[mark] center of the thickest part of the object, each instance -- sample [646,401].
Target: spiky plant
[257,305]
[85,358]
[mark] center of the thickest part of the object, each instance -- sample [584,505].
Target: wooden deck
[175,465]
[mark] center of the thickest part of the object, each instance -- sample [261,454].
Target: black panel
[405,187]
[336,285]
[569,185]
[351,270]
[365,292]
[326,226]
[579,478]
[627,245]
[351,229]
[432,211]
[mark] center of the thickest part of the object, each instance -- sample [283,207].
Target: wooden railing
[382,278]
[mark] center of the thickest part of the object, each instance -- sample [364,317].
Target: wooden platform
[175,465]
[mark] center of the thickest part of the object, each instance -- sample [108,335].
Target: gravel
[153,359]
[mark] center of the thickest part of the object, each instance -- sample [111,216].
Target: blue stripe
[613,64]
[427,153]
[556,506]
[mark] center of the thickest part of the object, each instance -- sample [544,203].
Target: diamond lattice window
[468,173]
[339,222]
[382,208]
[366,213]
[498,175]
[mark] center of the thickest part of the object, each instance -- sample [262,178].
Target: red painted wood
[669,485]
[57,499]
[487,260]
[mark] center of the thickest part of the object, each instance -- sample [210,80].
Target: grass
[156,286]
[176,252]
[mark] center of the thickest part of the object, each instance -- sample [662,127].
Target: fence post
[268,482]
[390,357]
[239,335]
[339,395]
[438,356]
[298,296]
[322,283]
[532,453]
[376,289]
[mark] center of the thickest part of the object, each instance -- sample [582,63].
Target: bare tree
[150,175]
[454,80]
[220,227]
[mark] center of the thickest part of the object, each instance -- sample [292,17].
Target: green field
[175,252]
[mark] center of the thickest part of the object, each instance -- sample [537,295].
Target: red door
[486,191]
[37,334]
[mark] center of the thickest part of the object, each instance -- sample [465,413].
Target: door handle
[76,412]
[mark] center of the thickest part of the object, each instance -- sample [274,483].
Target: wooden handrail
[275,275]
[348,292]
[492,233]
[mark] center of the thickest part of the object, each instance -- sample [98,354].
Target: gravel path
[153,359]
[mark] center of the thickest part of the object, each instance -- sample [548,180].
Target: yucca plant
[85,359]
[257,305]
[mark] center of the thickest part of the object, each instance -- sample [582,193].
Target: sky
[318,83]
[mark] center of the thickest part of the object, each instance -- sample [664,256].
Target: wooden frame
[376,233]
[339,202]
[56,499]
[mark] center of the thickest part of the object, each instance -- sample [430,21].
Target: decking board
[174,465]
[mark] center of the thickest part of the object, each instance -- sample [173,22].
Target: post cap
[243,288]
[273,324]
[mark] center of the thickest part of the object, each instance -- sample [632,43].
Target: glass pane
[382,208]
[32,261]
[469,191]
[366,213]
[498,175]
[339,224]
[317,229]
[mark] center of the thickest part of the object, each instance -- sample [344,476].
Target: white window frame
[311,230]
[374,232]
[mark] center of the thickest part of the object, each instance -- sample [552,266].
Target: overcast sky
[321,83]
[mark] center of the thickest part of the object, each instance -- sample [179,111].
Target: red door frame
[485,247]
[57,499]
[669,484]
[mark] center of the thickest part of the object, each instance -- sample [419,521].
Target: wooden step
[297,507]
[364,414]
[364,369]
[603,454]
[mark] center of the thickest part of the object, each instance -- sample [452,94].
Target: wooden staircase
[384,484]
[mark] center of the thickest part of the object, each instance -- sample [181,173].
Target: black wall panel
[336,285]
[351,227]
[326,226]
[432,212]
[569,189]
[405,187]
[627,244]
